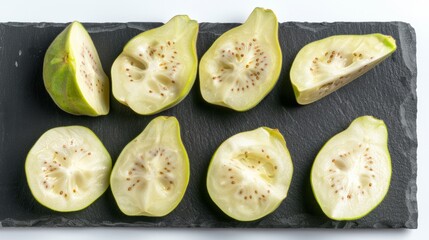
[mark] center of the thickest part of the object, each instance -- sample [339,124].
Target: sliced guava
[68,168]
[157,68]
[323,66]
[243,64]
[73,74]
[250,173]
[351,174]
[151,174]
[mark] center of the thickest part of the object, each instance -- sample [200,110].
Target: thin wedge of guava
[323,66]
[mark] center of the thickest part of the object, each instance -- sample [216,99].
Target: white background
[411,11]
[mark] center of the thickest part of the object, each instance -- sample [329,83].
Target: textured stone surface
[387,92]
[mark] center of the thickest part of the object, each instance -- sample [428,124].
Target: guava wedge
[250,174]
[351,174]
[157,68]
[323,66]
[68,168]
[243,64]
[73,74]
[151,174]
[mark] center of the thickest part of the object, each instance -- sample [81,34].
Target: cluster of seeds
[248,195]
[257,164]
[90,71]
[52,168]
[144,166]
[333,59]
[247,59]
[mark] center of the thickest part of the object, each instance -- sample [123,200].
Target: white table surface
[411,11]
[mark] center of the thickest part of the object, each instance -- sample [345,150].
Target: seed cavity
[161,76]
[331,61]
[155,161]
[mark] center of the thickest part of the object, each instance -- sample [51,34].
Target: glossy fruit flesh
[158,67]
[151,174]
[250,173]
[68,168]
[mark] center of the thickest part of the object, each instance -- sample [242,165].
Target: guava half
[151,174]
[68,168]
[157,68]
[250,174]
[243,64]
[351,174]
[73,74]
[323,66]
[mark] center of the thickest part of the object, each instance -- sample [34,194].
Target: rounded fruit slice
[323,66]
[73,74]
[157,68]
[243,64]
[351,174]
[250,173]
[151,174]
[68,168]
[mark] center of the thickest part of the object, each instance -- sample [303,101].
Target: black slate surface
[387,92]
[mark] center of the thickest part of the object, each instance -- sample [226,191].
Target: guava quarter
[73,74]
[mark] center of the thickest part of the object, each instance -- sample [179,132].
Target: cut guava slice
[323,66]
[243,64]
[250,174]
[157,68]
[68,168]
[73,74]
[151,174]
[351,174]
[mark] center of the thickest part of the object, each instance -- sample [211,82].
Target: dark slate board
[387,92]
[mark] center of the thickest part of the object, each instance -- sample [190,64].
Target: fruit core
[351,173]
[157,163]
[157,65]
[61,161]
[241,64]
